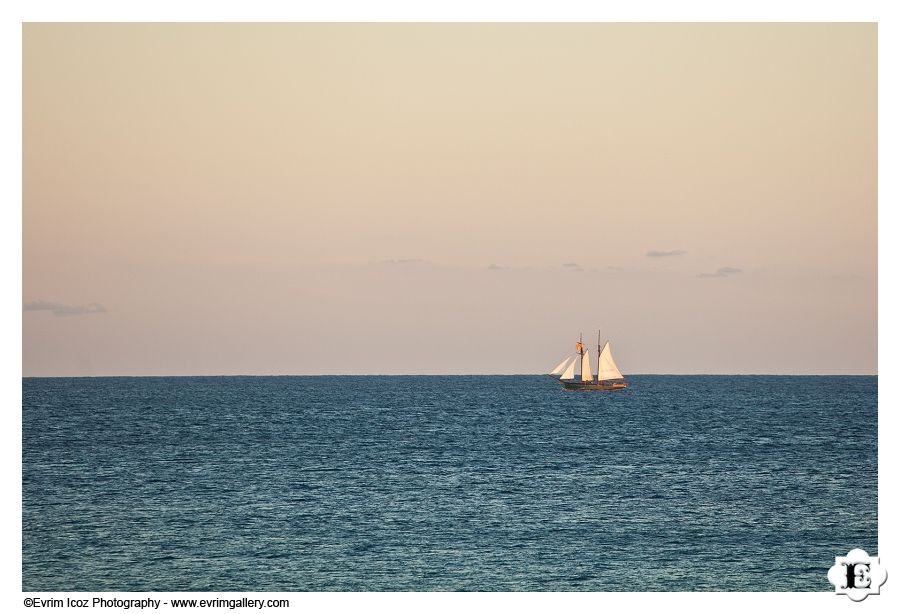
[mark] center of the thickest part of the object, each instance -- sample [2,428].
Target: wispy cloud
[573,266]
[653,253]
[725,271]
[62,310]
[405,261]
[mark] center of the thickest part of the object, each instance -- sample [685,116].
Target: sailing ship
[608,375]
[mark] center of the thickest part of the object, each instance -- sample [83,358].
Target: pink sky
[443,198]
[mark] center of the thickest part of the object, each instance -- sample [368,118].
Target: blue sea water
[680,483]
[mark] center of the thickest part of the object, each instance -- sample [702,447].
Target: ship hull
[576,385]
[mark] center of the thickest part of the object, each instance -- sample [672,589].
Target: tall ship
[608,375]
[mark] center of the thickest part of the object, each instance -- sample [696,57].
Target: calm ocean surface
[680,483]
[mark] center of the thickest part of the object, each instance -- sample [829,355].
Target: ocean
[434,483]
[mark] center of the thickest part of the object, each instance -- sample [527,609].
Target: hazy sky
[448,198]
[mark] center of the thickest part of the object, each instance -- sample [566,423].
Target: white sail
[562,366]
[570,370]
[607,368]
[586,375]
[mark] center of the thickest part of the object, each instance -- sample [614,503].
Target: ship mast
[579,347]
[586,375]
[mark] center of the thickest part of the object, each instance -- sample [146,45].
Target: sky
[205,199]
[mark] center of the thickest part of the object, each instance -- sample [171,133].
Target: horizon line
[451,375]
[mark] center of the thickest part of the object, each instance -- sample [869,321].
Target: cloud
[724,271]
[616,268]
[658,254]
[61,310]
[573,266]
[495,267]
[405,261]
